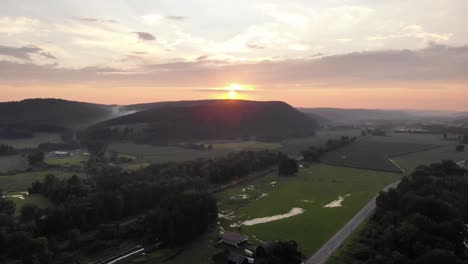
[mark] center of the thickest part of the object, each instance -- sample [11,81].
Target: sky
[386,54]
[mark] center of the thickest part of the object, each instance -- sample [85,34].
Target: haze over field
[346,54]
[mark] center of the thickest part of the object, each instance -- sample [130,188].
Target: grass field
[21,181]
[37,199]
[159,154]
[294,146]
[369,153]
[411,161]
[13,163]
[313,188]
[246,145]
[66,161]
[32,142]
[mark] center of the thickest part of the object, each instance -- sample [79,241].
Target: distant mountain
[353,115]
[51,112]
[212,119]
[146,106]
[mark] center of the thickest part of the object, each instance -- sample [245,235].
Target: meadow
[36,199]
[21,181]
[372,154]
[311,190]
[144,153]
[32,142]
[448,152]
[13,163]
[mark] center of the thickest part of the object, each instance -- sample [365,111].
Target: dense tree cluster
[36,158]
[281,252]
[313,154]
[169,203]
[6,150]
[287,166]
[423,220]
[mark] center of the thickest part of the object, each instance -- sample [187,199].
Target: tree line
[313,153]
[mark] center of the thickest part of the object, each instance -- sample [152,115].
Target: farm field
[246,145]
[310,191]
[369,153]
[411,161]
[159,154]
[37,199]
[294,146]
[66,161]
[32,142]
[13,163]
[21,181]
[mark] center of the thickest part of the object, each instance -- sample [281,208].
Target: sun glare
[232,94]
[237,91]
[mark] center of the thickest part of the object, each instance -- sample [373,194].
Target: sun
[232,94]
[236,91]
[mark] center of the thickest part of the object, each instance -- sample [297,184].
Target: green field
[313,188]
[246,145]
[21,181]
[13,163]
[372,154]
[160,154]
[67,161]
[295,146]
[37,199]
[32,142]
[411,161]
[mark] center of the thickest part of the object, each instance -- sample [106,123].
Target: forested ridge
[217,119]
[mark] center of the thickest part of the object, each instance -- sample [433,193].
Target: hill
[353,115]
[211,119]
[33,112]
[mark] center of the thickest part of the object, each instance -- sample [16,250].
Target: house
[60,154]
[233,239]
[265,249]
[237,259]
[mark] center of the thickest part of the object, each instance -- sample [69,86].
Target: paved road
[322,255]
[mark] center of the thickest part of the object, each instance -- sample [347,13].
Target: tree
[7,207]
[460,148]
[29,212]
[36,158]
[287,166]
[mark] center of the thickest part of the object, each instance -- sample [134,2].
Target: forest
[168,204]
[423,220]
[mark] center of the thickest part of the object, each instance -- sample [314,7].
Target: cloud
[176,18]
[145,36]
[17,24]
[414,31]
[255,46]
[24,53]
[96,20]
[203,57]
[436,64]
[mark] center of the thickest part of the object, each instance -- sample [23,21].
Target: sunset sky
[395,54]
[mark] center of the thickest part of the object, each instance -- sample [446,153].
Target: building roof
[234,237]
[235,258]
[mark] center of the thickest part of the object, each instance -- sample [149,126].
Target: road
[322,255]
